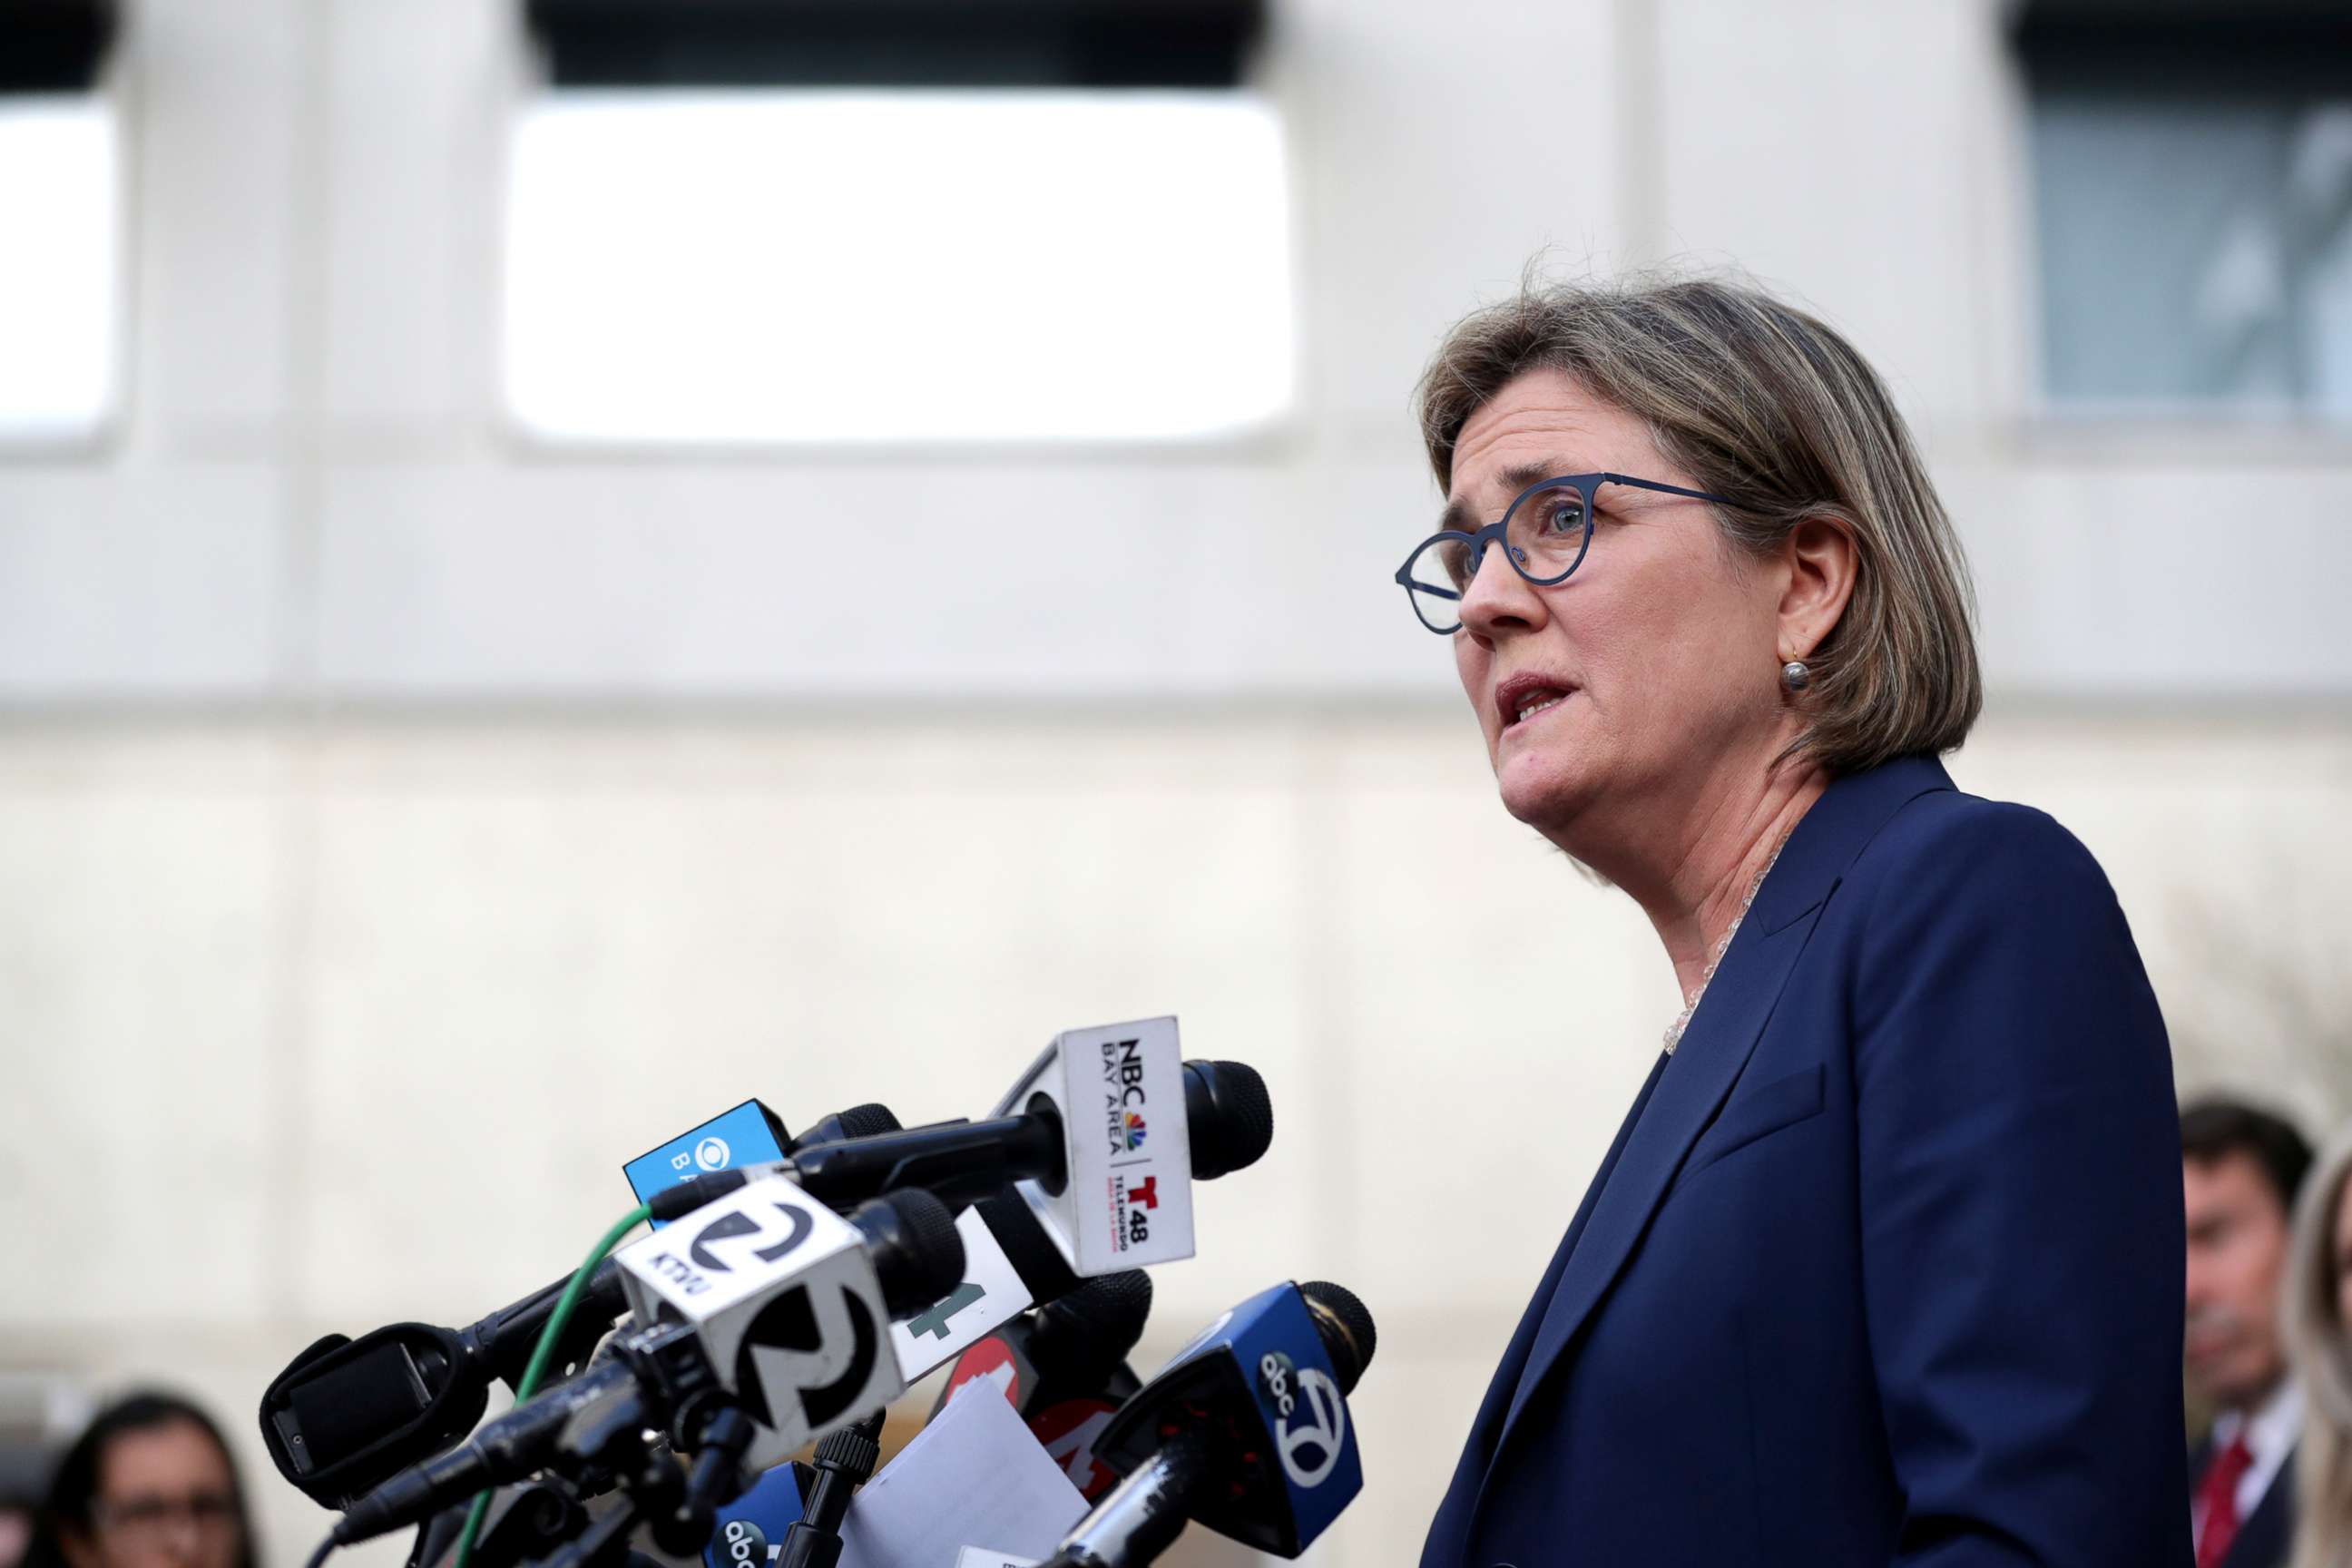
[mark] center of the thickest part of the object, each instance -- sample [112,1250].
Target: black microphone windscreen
[1231,1116]
[345,1408]
[1107,1313]
[918,1256]
[868,1121]
[857,1121]
[1344,1328]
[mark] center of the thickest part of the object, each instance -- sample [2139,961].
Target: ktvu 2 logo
[1311,1449]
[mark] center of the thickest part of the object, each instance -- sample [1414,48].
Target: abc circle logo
[1311,1449]
[712,1154]
[741,1545]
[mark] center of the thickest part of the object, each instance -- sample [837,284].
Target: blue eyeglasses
[1545,534]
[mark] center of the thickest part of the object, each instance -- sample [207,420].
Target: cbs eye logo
[711,1154]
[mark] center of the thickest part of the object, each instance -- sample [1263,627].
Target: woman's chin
[1538,791]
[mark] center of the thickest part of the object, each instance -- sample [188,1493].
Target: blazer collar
[1715,1046]
[1847,818]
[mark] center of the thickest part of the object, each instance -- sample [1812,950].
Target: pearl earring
[1795,676]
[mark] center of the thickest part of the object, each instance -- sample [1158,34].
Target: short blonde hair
[1762,403]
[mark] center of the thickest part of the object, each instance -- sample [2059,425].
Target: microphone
[1113,1129]
[1230,1118]
[775,1301]
[868,1121]
[1101,1151]
[1127,1199]
[1062,1367]
[760,1513]
[748,1136]
[346,1414]
[1247,1432]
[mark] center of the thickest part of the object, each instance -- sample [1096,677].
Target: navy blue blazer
[1884,1265]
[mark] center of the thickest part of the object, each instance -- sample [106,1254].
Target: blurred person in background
[2240,1168]
[2319,1338]
[1884,1266]
[148,1484]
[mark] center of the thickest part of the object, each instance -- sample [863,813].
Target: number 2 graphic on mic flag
[784,1303]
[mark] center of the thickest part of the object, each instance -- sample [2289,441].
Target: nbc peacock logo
[1134,1128]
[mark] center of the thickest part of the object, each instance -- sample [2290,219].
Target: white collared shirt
[2271,1433]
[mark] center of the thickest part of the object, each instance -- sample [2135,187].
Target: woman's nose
[1498,599]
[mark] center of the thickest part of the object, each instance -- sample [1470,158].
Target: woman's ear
[1821,556]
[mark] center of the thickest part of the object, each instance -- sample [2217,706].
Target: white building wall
[313,1029]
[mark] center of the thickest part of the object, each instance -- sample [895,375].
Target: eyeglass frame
[157,1518]
[1587,485]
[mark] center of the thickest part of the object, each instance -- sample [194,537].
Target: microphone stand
[844,1462]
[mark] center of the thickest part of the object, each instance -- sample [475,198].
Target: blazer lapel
[1706,1063]
[1714,1050]
[1524,1342]
[1444,1544]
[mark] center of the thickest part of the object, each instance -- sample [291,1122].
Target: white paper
[974,1476]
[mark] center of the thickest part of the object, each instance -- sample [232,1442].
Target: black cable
[320,1555]
[603,1536]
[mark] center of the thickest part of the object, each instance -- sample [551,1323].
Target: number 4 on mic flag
[991,1293]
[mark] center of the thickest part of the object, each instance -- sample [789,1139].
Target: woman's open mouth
[1523,697]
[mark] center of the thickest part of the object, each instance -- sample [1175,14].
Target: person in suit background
[1884,1264]
[2240,1169]
[2319,1338]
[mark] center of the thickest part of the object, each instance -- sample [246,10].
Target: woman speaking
[1884,1266]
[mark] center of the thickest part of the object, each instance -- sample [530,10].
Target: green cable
[544,1352]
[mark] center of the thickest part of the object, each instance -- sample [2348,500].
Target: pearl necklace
[1681,1020]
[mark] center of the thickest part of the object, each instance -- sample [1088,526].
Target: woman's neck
[1731,840]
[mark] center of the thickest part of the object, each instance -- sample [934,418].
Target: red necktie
[2221,1496]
